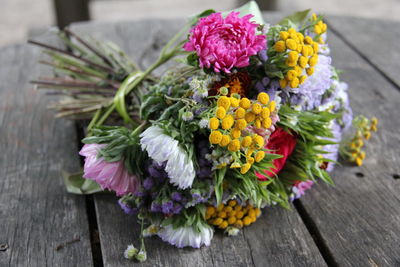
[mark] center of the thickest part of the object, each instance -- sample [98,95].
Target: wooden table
[356,223]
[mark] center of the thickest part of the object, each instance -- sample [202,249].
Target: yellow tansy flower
[265,113]
[245,103]
[213,124]
[258,141]
[250,117]
[227,122]
[241,124]
[224,102]
[267,122]
[272,106]
[236,133]
[225,140]
[234,102]
[234,145]
[291,44]
[259,156]
[313,61]
[263,98]
[246,141]
[220,113]
[256,108]
[239,113]
[215,137]
[280,46]
[245,168]
[284,35]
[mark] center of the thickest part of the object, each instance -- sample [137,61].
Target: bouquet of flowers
[251,115]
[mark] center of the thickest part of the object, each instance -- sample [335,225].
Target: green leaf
[219,178]
[76,184]
[295,19]
[250,8]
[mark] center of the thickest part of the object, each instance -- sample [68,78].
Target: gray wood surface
[40,223]
[286,241]
[359,219]
[376,40]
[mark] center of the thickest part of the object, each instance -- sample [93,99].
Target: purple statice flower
[148,183]
[262,55]
[177,208]
[176,196]
[167,207]
[109,175]
[333,149]
[155,207]
[140,193]
[154,171]
[205,165]
[347,117]
[267,86]
[318,83]
[126,208]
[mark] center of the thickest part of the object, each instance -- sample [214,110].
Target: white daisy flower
[161,148]
[186,236]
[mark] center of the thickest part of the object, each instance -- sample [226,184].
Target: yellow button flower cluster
[364,132]
[302,56]
[232,116]
[319,28]
[232,214]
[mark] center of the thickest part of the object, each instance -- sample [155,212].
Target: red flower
[282,143]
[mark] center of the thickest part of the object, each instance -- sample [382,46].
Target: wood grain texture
[359,219]
[285,239]
[377,40]
[41,223]
[278,238]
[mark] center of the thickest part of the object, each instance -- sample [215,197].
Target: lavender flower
[155,207]
[318,83]
[126,208]
[177,209]
[148,183]
[176,196]
[167,207]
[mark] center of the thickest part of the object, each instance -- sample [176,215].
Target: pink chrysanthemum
[109,175]
[224,43]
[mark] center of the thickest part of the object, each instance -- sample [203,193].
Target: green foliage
[76,184]
[249,188]
[313,130]
[219,176]
[295,20]
[250,7]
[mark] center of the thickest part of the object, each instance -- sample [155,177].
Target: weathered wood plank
[284,240]
[41,223]
[359,219]
[278,238]
[377,40]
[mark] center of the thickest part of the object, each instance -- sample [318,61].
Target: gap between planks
[97,254]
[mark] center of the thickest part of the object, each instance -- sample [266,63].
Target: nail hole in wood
[396,176]
[359,174]
[3,247]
